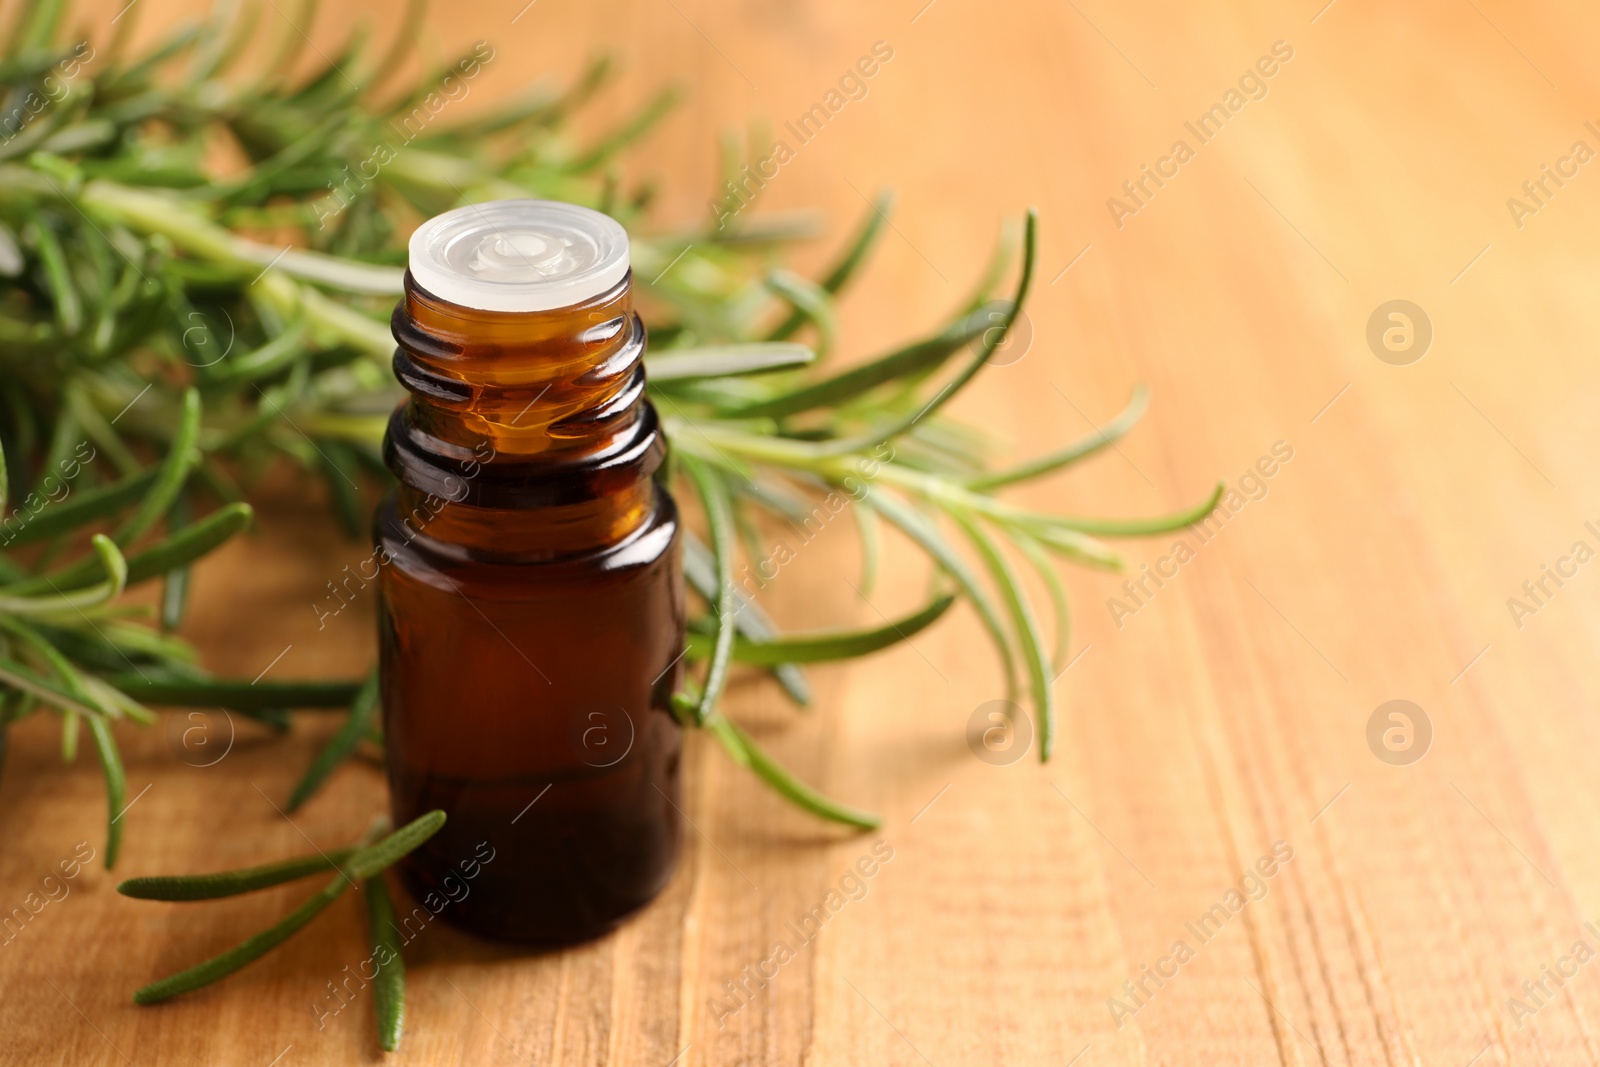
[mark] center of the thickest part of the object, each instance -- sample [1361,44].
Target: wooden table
[1215,715]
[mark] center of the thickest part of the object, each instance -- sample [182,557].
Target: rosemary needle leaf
[1080,548]
[83,506]
[69,735]
[747,753]
[389,984]
[1058,595]
[811,300]
[212,49]
[700,571]
[362,711]
[175,584]
[75,602]
[373,858]
[190,543]
[405,39]
[993,337]
[64,436]
[20,678]
[114,702]
[112,562]
[186,545]
[1143,527]
[271,357]
[926,535]
[720,361]
[105,747]
[630,131]
[74,681]
[744,524]
[919,357]
[1003,251]
[1033,653]
[57,276]
[231,883]
[101,432]
[866,237]
[714,496]
[175,597]
[854,255]
[277,718]
[1082,448]
[235,694]
[829,644]
[180,460]
[776,496]
[870,530]
[115,640]
[42,20]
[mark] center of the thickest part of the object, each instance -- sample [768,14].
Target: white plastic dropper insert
[519,255]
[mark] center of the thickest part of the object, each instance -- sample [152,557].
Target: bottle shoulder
[406,541]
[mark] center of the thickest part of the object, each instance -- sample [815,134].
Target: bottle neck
[526,432]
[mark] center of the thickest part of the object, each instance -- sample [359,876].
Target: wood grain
[1228,713]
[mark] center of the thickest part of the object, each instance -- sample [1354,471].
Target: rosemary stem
[193,233]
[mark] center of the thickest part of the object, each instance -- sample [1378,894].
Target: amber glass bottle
[532,611]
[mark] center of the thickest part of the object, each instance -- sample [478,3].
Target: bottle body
[531,618]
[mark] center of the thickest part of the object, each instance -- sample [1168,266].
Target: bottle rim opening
[519,255]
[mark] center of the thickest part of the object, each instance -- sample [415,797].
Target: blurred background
[1328,239]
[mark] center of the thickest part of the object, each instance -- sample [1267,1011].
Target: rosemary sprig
[819,647]
[361,864]
[389,984]
[232,883]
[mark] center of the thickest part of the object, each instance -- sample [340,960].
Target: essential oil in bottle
[532,614]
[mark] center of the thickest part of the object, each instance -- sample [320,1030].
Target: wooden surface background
[1228,713]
